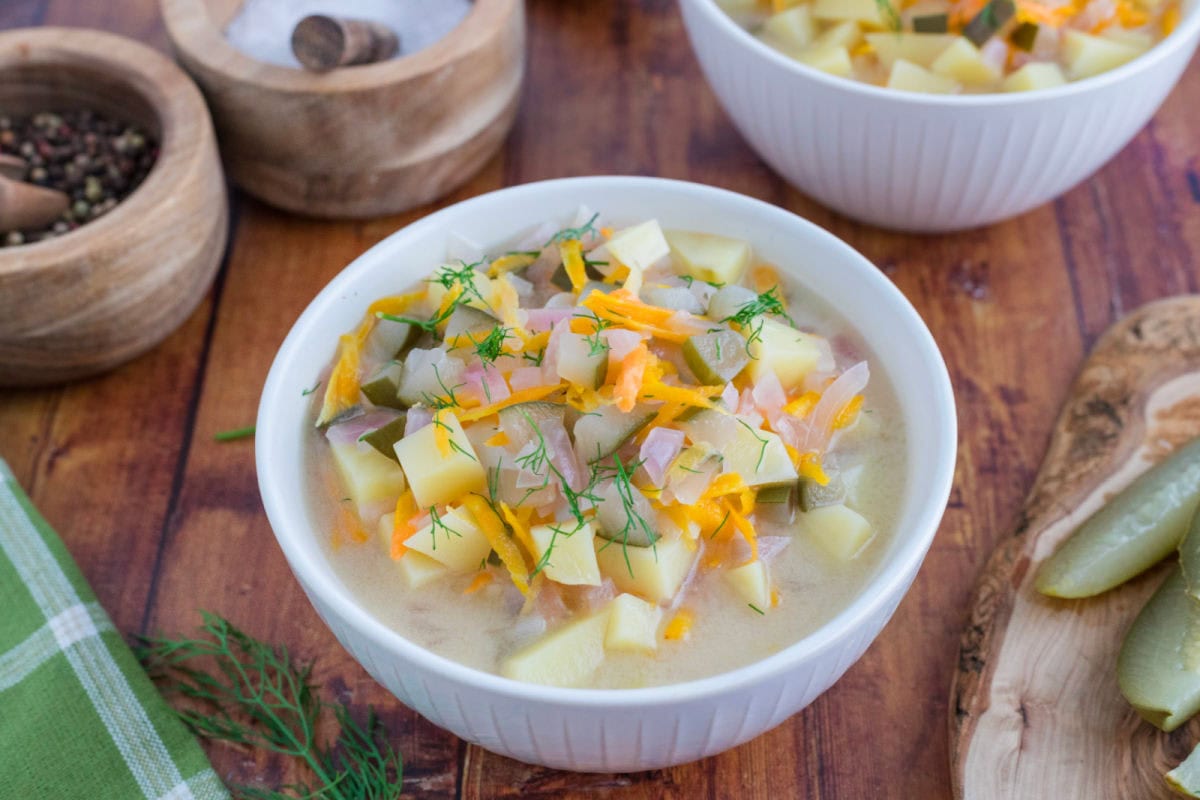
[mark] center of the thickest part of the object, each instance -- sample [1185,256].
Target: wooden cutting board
[1034,710]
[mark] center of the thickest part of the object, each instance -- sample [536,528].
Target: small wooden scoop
[24,206]
[322,43]
[12,167]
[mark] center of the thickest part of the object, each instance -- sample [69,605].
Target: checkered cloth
[78,716]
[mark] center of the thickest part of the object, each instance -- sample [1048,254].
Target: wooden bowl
[96,297]
[358,141]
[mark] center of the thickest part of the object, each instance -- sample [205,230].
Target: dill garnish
[756,608]
[448,400]
[491,347]
[436,524]
[724,519]
[240,690]
[235,434]
[888,12]
[762,452]
[307,392]
[768,302]
[566,234]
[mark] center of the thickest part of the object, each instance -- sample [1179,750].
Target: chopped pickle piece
[600,433]
[566,656]
[931,23]
[716,358]
[384,438]
[435,476]
[521,422]
[1024,35]
[471,324]
[383,388]
[1150,669]
[1130,533]
[389,340]
[579,362]
[990,19]
[709,257]
[453,539]
[572,554]
[633,626]
[772,495]
[814,495]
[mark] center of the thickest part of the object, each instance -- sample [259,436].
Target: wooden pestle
[322,43]
[24,206]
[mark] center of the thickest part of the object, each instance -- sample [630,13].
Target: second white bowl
[928,163]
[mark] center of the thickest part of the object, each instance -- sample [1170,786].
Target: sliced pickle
[385,437]
[1131,533]
[469,322]
[716,358]
[601,433]
[814,495]
[1151,668]
[383,388]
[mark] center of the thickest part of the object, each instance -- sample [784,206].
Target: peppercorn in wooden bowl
[358,141]
[107,290]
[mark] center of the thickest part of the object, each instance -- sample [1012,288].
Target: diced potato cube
[844,34]
[841,531]
[759,457]
[790,31]
[370,477]
[567,656]
[633,625]
[1139,39]
[572,558]
[864,11]
[415,569]
[709,257]
[452,539]
[1087,55]
[777,346]
[1034,75]
[909,77]
[638,248]
[436,477]
[962,62]
[921,49]
[831,59]
[751,583]
[653,573]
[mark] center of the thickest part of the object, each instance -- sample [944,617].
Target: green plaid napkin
[78,716]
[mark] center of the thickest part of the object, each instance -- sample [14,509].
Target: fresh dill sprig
[455,446]
[235,434]
[567,234]
[691,279]
[461,278]
[756,608]
[436,523]
[447,400]
[240,690]
[491,347]
[769,302]
[622,478]
[427,325]
[555,532]
[724,519]
[596,344]
[535,358]
[307,392]
[888,12]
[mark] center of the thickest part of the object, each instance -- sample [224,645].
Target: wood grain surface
[163,520]
[1035,707]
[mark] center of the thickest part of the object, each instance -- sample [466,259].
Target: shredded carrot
[849,413]
[498,439]
[583,399]
[746,529]
[802,405]
[764,277]
[441,434]
[774,598]
[341,393]
[520,529]
[678,627]
[572,258]
[523,396]
[404,523]
[478,582]
[493,528]
[683,395]
[665,416]
[629,381]
[626,304]
[1131,16]
[1170,19]
[534,341]
[510,263]
[810,467]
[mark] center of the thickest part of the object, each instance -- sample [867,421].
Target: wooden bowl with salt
[91,299]
[358,141]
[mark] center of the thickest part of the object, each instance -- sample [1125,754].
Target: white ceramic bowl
[922,162]
[606,730]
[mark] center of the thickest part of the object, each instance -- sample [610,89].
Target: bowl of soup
[610,473]
[936,116]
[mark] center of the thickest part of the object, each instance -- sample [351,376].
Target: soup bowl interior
[626,729]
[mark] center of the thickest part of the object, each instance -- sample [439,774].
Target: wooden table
[164,520]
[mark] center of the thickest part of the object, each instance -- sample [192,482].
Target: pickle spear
[1151,668]
[1185,778]
[1131,533]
